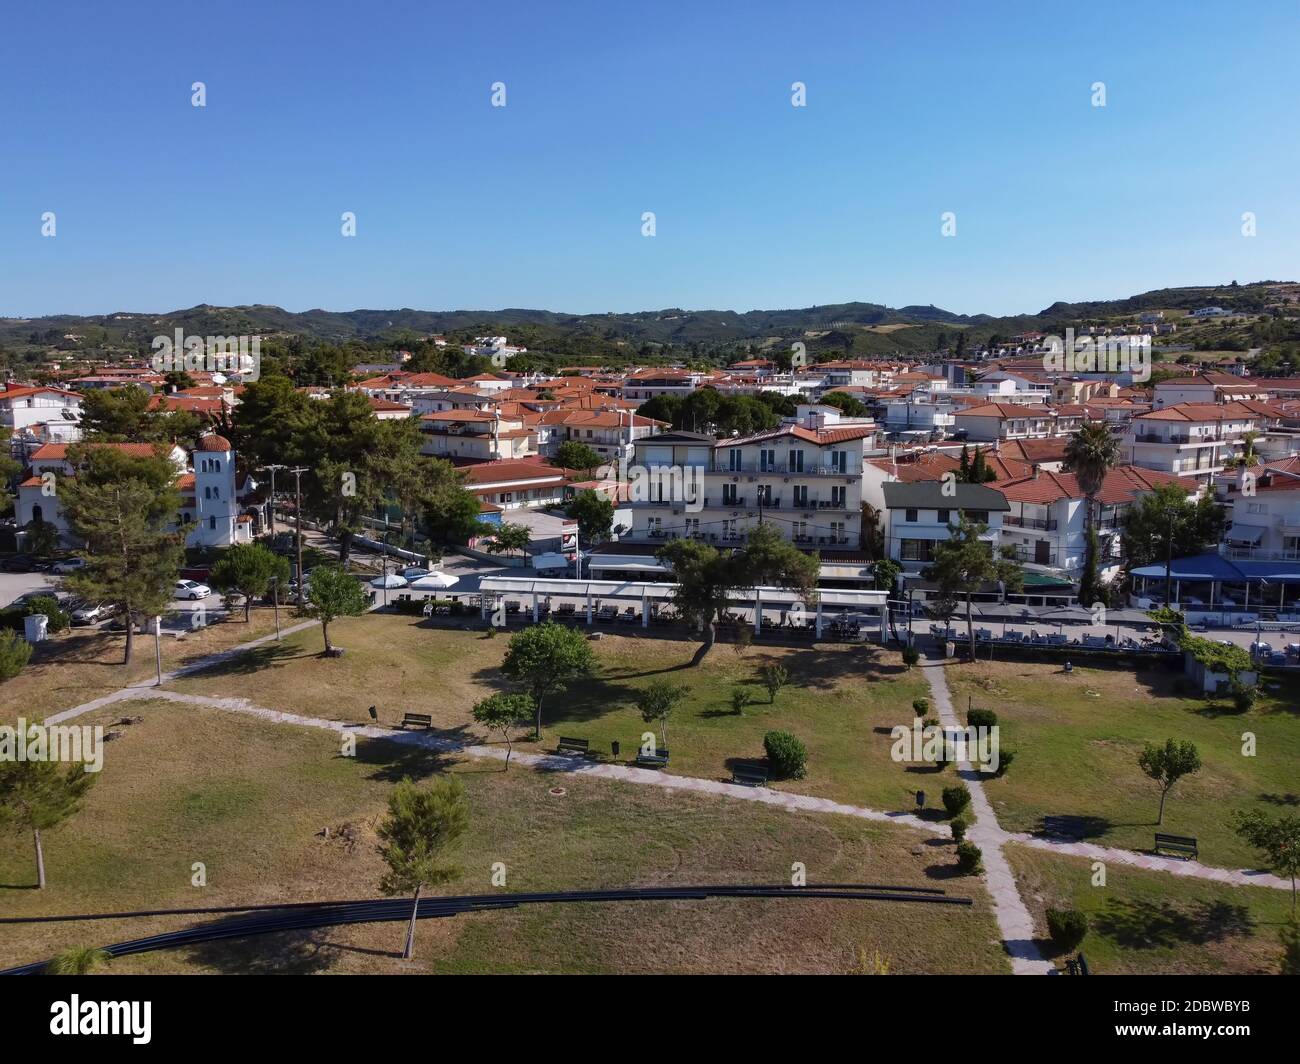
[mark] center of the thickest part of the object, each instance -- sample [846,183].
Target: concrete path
[1008,907]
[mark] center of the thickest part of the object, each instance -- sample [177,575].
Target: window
[733,459]
[801,495]
[212,523]
[837,495]
[729,494]
[916,550]
[1257,508]
[796,461]
[980,517]
[910,516]
[766,460]
[765,494]
[839,461]
[944,517]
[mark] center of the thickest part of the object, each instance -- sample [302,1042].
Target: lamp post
[272,469]
[297,472]
[1169,555]
[275,603]
[157,642]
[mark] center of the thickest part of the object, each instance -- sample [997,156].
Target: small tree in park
[773,677]
[500,713]
[333,594]
[249,569]
[35,795]
[1279,840]
[1167,765]
[545,659]
[421,825]
[508,538]
[1067,928]
[657,701]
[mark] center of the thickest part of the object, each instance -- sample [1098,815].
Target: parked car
[94,612]
[192,589]
[68,565]
[26,599]
[23,563]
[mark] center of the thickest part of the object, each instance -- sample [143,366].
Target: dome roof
[214,443]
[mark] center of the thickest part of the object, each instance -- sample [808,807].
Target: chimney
[1035,470]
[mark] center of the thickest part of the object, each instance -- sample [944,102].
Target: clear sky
[615,108]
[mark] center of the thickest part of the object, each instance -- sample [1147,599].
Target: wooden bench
[569,745]
[1077,965]
[656,760]
[1179,845]
[422,720]
[749,776]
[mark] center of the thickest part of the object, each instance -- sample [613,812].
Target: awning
[1250,535]
[550,561]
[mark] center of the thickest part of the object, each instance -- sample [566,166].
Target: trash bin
[614,747]
[34,626]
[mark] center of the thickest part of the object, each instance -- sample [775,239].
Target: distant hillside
[850,328]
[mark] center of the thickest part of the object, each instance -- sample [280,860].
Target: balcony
[1043,524]
[809,469]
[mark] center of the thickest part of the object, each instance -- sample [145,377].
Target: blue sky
[614,109]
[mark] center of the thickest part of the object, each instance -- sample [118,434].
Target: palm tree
[79,960]
[1090,454]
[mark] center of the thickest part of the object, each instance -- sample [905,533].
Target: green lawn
[840,701]
[1151,923]
[1077,739]
[250,801]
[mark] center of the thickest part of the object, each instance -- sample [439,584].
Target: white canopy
[434,581]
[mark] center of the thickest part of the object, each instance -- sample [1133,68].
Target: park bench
[422,720]
[572,746]
[1077,965]
[749,776]
[1180,845]
[656,760]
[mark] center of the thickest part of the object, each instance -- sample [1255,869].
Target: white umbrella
[389,580]
[434,581]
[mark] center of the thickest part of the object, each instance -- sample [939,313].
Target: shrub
[920,706]
[956,799]
[982,718]
[1067,928]
[970,858]
[740,698]
[911,656]
[1243,695]
[773,677]
[786,756]
[744,640]
[958,828]
[57,617]
[1005,757]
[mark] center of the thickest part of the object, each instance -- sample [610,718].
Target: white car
[192,589]
[68,565]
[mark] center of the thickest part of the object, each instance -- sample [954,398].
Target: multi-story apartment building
[645,384]
[1263,506]
[806,481]
[916,516]
[1207,388]
[1006,421]
[50,413]
[1046,524]
[480,435]
[1195,440]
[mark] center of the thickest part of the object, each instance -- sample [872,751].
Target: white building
[916,517]
[1195,440]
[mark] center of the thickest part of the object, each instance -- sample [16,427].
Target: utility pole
[297,472]
[157,642]
[272,469]
[275,604]
[1169,555]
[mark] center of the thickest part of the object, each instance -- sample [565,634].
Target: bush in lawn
[956,799]
[1005,757]
[958,828]
[740,698]
[982,718]
[773,677]
[920,706]
[1243,695]
[1067,928]
[57,618]
[786,756]
[911,656]
[970,858]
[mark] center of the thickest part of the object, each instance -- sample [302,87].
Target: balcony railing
[783,469]
[733,539]
[1045,524]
